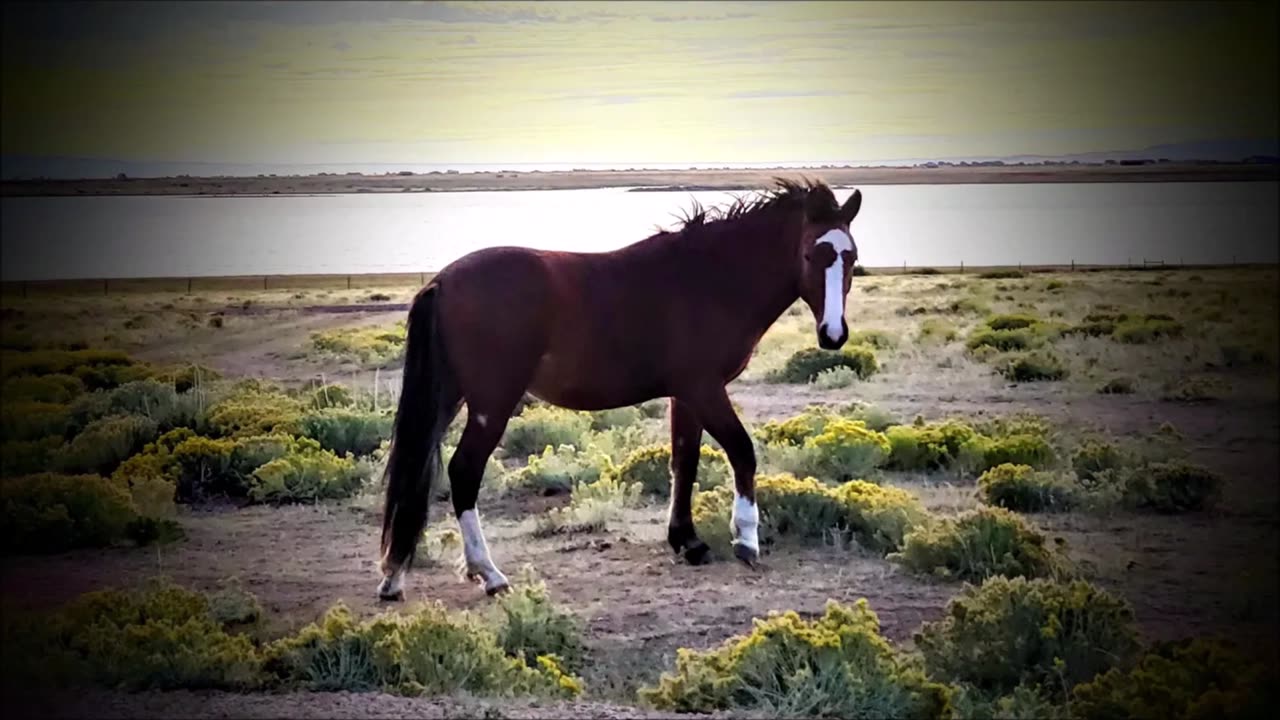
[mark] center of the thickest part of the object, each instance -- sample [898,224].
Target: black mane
[785,193]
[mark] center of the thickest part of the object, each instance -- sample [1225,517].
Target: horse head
[827,257]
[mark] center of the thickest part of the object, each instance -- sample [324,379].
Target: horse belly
[578,383]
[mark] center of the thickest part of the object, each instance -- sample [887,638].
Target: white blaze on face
[833,298]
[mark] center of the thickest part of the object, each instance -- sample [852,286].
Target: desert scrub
[1021,488]
[1147,329]
[1036,366]
[1002,274]
[347,431]
[1173,487]
[152,399]
[805,365]
[924,447]
[936,330]
[49,513]
[876,339]
[158,637]
[811,512]
[979,544]
[530,626]
[591,508]
[105,443]
[326,396]
[306,473]
[1195,389]
[844,450]
[57,388]
[1193,678]
[96,369]
[540,426]
[1002,340]
[650,468]
[1117,386]
[1011,632]
[837,665]
[423,653]
[625,416]
[368,347]
[556,471]
[795,430]
[1094,456]
[30,420]
[26,457]
[983,452]
[835,378]
[1011,322]
[253,411]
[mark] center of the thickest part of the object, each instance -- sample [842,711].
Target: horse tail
[428,402]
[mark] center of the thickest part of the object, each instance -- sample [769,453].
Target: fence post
[422,278]
[188,286]
[1073,266]
[104,286]
[264,282]
[24,288]
[348,282]
[961,267]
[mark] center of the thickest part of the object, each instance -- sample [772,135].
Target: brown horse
[675,315]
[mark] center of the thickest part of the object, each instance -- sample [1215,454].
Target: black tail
[429,401]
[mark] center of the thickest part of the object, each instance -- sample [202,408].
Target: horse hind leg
[686,442]
[479,439]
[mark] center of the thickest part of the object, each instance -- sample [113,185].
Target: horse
[675,315]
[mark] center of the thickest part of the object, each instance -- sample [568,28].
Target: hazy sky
[444,82]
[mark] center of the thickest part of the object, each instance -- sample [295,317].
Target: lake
[920,225]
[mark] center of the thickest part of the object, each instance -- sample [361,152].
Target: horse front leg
[479,439]
[686,447]
[718,416]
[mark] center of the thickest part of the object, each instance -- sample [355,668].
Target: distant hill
[16,167]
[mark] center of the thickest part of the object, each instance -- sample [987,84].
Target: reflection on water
[987,224]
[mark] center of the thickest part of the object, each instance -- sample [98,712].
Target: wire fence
[373,281]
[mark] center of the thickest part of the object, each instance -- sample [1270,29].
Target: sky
[629,82]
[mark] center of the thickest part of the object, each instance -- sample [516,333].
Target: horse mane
[784,193]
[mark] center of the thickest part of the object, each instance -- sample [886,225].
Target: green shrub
[873,417]
[1023,702]
[1010,632]
[650,468]
[1011,322]
[1116,386]
[1094,456]
[50,513]
[539,427]
[844,450]
[370,347]
[530,626]
[26,457]
[187,377]
[877,339]
[147,398]
[805,365]
[159,637]
[1033,367]
[1020,448]
[937,329]
[29,420]
[306,473]
[232,605]
[58,388]
[557,471]
[324,397]
[837,665]
[1004,274]
[796,429]
[1195,389]
[811,512]
[1146,330]
[616,417]
[427,652]
[1198,679]
[927,447]
[591,508]
[256,412]
[1173,487]
[106,443]
[979,544]
[1022,489]
[1093,328]
[343,430]
[835,378]
[58,362]
[1002,340]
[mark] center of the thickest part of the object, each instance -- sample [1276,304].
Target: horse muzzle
[826,342]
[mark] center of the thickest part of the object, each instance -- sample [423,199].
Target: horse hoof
[697,554]
[748,555]
[395,596]
[497,589]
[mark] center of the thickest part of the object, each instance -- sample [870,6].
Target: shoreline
[634,180]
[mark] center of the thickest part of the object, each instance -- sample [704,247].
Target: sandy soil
[677,180]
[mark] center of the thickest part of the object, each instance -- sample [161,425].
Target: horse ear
[817,206]
[851,207]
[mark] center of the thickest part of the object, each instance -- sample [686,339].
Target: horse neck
[757,259]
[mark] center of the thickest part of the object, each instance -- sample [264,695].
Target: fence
[371,281]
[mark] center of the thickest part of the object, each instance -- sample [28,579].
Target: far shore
[638,180]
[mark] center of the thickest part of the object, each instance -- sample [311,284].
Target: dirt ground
[1184,575]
